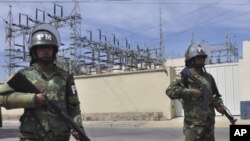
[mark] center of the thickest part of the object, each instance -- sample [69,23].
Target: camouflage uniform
[198,121]
[1,122]
[41,123]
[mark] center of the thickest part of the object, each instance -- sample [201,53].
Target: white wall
[127,92]
[244,73]
[177,62]
[135,92]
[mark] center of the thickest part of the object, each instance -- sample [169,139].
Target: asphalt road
[127,133]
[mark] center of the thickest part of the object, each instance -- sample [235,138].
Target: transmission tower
[75,35]
[83,55]
[162,48]
[226,52]
[9,42]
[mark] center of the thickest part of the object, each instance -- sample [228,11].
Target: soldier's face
[199,60]
[44,51]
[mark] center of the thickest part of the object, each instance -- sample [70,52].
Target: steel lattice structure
[83,55]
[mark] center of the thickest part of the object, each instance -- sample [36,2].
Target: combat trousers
[199,133]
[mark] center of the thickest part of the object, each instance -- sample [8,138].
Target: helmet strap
[191,64]
[44,60]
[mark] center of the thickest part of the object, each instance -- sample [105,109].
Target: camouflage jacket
[180,88]
[37,122]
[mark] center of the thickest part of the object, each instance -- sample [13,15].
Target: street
[126,133]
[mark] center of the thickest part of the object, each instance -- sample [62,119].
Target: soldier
[198,121]
[1,121]
[38,122]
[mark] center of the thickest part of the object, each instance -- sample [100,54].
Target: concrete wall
[126,94]
[177,62]
[122,96]
[244,72]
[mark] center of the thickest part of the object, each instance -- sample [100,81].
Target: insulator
[9,32]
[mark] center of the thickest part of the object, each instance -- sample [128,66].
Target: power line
[226,19]
[189,13]
[18,6]
[206,21]
[120,2]
[83,53]
[2,18]
[45,9]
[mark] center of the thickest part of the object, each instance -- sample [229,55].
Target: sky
[138,21]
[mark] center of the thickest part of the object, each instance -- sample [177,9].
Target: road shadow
[8,133]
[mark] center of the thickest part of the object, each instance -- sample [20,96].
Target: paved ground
[125,134]
[170,130]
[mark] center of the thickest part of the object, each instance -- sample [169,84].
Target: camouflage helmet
[194,50]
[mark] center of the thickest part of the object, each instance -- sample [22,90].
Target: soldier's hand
[40,99]
[220,109]
[196,93]
[75,134]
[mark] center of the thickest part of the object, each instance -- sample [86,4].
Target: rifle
[229,115]
[21,84]
[208,96]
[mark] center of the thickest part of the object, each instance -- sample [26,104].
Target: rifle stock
[21,84]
